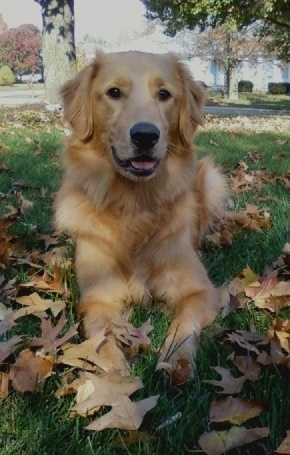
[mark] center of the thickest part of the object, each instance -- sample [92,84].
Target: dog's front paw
[177,358]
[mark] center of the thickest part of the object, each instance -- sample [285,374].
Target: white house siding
[260,73]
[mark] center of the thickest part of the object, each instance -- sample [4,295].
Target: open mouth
[141,166]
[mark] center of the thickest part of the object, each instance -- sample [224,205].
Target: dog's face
[137,106]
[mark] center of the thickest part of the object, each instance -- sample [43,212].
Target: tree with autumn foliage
[20,49]
[271,17]
[58,45]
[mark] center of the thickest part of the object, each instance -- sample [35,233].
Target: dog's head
[135,107]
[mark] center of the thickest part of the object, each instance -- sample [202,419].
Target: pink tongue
[143,165]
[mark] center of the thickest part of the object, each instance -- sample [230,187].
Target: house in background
[260,73]
[206,70]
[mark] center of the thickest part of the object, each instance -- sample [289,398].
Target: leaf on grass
[235,410]
[9,346]
[130,337]
[284,447]
[85,355]
[34,304]
[105,390]
[181,373]
[270,293]
[46,283]
[50,342]
[247,365]
[125,415]
[29,370]
[228,383]
[219,442]
[70,385]
[4,384]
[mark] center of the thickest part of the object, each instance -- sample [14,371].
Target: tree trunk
[58,45]
[231,81]
[231,71]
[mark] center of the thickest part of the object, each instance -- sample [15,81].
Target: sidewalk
[35,96]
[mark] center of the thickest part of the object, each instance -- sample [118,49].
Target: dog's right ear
[78,101]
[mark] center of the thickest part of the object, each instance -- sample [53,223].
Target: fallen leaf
[34,304]
[248,366]
[9,346]
[125,415]
[235,410]
[85,355]
[50,342]
[228,383]
[103,390]
[4,384]
[219,442]
[45,282]
[29,370]
[284,447]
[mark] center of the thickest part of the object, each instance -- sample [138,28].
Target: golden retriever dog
[136,199]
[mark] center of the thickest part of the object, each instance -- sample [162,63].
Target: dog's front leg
[195,303]
[103,293]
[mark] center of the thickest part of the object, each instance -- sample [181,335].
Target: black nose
[144,135]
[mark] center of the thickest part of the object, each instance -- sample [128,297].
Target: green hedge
[6,76]
[278,88]
[245,87]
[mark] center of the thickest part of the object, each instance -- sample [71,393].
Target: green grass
[255,100]
[37,423]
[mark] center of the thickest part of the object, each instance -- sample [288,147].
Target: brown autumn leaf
[34,304]
[125,414]
[228,383]
[284,447]
[50,342]
[280,329]
[103,390]
[8,347]
[4,384]
[85,355]
[46,282]
[70,385]
[24,204]
[29,370]
[181,373]
[247,365]
[219,442]
[235,410]
[269,293]
[133,339]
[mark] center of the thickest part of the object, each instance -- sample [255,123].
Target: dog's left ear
[192,102]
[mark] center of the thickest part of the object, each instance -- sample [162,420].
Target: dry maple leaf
[46,283]
[228,383]
[4,384]
[247,365]
[130,337]
[235,410]
[125,414]
[103,390]
[50,342]
[219,442]
[271,293]
[284,447]
[34,304]
[9,346]
[29,370]
[85,355]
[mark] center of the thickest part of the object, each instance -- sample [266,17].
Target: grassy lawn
[255,100]
[38,423]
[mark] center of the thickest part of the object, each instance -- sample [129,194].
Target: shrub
[245,87]
[6,76]
[278,88]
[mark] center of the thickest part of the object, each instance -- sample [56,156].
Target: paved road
[20,97]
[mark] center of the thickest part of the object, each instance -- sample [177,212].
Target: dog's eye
[114,92]
[164,94]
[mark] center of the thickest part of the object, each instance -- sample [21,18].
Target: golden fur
[137,222]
